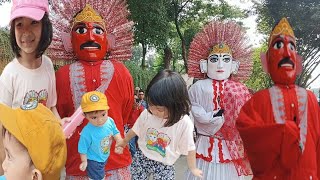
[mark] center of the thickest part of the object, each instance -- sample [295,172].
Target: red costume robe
[135,113]
[85,77]
[280,130]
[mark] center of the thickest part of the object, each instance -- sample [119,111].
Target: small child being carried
[35,146]
[96,137]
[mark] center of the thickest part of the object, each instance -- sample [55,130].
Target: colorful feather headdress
[115,15]
[215,33]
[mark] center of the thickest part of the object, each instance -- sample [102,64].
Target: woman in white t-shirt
[165,130]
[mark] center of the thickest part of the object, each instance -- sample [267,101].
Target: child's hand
[197,172]
[119,150]
[119,146]
[121,143]
[83,166]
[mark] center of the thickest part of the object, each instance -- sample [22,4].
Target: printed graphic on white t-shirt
[157,141]
[40,97]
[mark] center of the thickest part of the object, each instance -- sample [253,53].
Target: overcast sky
[5,14]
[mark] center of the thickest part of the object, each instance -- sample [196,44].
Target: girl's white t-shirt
[20,85]
[164,144]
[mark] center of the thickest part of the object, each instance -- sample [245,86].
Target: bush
[141,77]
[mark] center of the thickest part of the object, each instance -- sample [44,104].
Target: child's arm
[55,112]
[83,146]
[127,138]
[84,163]
[119,140]
[191,159]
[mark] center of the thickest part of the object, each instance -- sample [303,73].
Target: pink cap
[33,9]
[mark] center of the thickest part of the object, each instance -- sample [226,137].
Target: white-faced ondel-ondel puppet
[217,99]
[94,35]
[280,125]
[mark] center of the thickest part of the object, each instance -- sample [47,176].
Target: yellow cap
[36,127]
[94,101]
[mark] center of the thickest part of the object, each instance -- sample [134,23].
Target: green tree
[169,26]
[6,53]
[141,77]
[190,15]
[151,26]
[4,1]
[258,79]
[136,54]
[304,17]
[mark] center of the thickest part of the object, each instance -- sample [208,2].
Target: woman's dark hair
[168,89]
[45,40]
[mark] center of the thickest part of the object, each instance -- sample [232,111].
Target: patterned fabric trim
[107,71]
[77,83]
[278,108]
[77,80]
[277,104]
[303,114]
[218,93]
[228,131]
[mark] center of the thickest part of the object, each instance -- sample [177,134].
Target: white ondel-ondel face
[220,66]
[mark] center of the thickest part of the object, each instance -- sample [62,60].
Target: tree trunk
[167,57]
[144,52]
[184,54]
[183,42]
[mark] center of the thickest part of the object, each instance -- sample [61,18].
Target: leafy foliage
[6,53]
[151,21]
[173,23]
[151,26]
[189,16]
[176,63]
[258,79]
[4,1]
[141,77]
[304,17]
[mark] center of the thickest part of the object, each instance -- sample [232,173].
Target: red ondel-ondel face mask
[282,60]
[89,41]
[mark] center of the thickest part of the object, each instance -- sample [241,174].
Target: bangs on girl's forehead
[153,100]
[19,19]
[159,93]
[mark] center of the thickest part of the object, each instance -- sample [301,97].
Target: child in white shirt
[165,130]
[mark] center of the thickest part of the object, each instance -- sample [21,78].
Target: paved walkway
[181,167]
